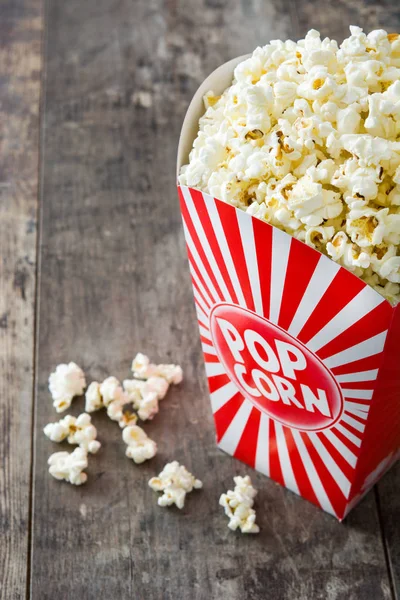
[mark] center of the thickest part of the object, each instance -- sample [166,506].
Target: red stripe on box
[343,288]
[334,493]
[247,448]
[301,266]
[371,324]
[275,471]
[202,211]
[199,247]
[224,415]
[343,465]
[216,382]
[232,234]
[263,244]
[364,364]
[303,482]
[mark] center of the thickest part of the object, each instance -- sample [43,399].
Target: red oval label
[275,371]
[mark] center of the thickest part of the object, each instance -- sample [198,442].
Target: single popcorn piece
[145,395]
[238,506]
[93,398]
[140,446]
[308,136]
[175,482]
[69,466]
[143,369]
[77,430]
[111,390]
[66,382]
[120,411]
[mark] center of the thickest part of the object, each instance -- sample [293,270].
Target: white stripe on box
[224,247]
[204,332]
[204,243]
[338,475]
[280,255]
[370,347]
[200,285]
[231,438]
[360,394]
[360,376]
[214,368]
[323,275]
[313,476]
[350,406]
[284,459]
[353,422]
[343,450]
[201,316]
[201,303]
[223,395]
[208,349]
[350,436]
[245,222]
[262,453]
[199,264]
[358,307]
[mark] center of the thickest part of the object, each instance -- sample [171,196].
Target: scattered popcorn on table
[66,382]
[69,466]
[93,399]
[175,482]
[238,506]
[143,369]
[78,430]
[307,139]
[140,446]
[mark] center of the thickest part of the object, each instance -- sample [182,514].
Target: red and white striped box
[302,357]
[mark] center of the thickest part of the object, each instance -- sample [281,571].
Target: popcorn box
[302,357]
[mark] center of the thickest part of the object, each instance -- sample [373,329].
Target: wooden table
[93,269]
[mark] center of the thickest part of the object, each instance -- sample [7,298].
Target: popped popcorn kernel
[69,466]
[93,398]
[66,382]
[238,506]
[307,137]
[77,430]
[175,482]
[143,369]
[140,446]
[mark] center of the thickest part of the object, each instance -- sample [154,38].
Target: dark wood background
[93,269]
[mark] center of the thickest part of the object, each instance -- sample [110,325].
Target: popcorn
[144,395]
[307,137]
[93,398]
[238,506]
[111,390]
[140,446]
[143,369]
[69,466]
[175,482]
[66,382]
[78,430]
[147,406]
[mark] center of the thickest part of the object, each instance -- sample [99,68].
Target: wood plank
[20,68]
[114,280]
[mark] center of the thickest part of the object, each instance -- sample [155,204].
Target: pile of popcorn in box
[142,394]
[307,138]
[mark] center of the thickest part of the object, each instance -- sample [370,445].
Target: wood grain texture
[20,68]
[114,280]
[388,491]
